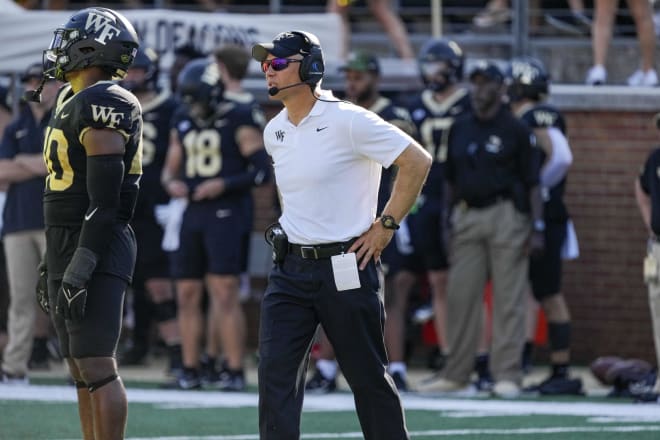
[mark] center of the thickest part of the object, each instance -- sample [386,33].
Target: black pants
[300,295]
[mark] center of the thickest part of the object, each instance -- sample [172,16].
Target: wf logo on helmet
[101,26]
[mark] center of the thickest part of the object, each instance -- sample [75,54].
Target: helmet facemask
[438,75]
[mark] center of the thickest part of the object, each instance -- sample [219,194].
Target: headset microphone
[275,90]
[35,95]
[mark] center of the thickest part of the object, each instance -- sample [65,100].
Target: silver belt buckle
[314,250]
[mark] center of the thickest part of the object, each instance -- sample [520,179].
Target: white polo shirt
[328,169]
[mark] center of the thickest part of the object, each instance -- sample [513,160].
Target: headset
[312,66]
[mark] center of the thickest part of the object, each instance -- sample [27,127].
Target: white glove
[173,226]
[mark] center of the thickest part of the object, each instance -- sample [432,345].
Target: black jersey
[211,150]
[546,116]
[491,158]
[649,180]
[157,117]
[399,117]
[432,119]
[104,105]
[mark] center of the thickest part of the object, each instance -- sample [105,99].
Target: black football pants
[300,295]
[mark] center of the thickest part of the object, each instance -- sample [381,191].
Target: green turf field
[48,411]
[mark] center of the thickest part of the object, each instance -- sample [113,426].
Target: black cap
[361,62]
[34,71]
[487,69]
[284,45]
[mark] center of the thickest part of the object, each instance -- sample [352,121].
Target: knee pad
[164,311]
[559,334]
[99,383]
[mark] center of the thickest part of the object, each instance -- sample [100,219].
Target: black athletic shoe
[320,385]
[400,382]
[558,385]
[231,380]
[209,375]
[188,379]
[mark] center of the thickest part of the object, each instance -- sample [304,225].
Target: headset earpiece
[312,66]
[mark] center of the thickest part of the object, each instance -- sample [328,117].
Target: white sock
[328,368]
[397,367]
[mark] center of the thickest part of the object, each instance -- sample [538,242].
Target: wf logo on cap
[283,36]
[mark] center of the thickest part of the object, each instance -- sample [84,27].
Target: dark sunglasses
[277,64]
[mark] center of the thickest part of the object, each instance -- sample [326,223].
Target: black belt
[486,201]
[319,251]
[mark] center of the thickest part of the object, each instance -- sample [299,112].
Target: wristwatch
[539,226]
[388,222]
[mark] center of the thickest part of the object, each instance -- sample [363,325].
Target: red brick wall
[604,287]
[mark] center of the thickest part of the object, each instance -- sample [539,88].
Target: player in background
[528,87]
[233,62]
[215,157]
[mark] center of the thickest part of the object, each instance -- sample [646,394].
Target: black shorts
[426,229]
[212,240]
[545,271]
[118,259]
[152,261]
[98,333]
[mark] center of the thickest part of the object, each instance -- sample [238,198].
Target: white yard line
[171,399]
[431,434]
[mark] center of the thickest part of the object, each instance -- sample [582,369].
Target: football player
[528,84]
[93,150]
[433,111]
[215,157]
[233,62]
[152,265]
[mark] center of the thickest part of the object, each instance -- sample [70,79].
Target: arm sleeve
[560,160]
[104,178]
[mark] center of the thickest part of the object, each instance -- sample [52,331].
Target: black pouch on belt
[277,239]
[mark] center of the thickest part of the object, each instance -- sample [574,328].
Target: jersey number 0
[60,173]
